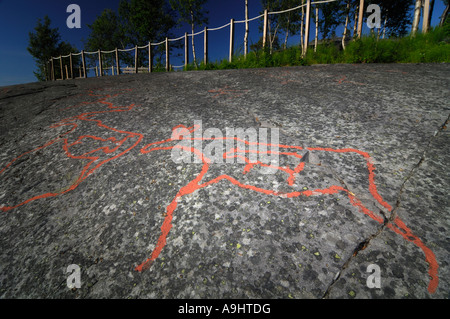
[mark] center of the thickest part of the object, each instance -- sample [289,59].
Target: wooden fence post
[136,59]
[167,55]
[46,70]
[117,62]
[49,70]
[83,61]
[360,18]
[426,14]
[100,67]
[72,76]
[205,58]
[61,66]
[265,29]
[67,71]
[308,11]
[53,70]
[150,60]
[186,50]
[230,58]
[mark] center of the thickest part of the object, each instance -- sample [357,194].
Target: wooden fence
[115,70]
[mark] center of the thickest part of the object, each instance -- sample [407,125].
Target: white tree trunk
[360,18]
[287,31]
[272,36]
[356,22]
[426,14]
[246,29]
[316,39]
[415,25]
[345,26]
[431,12]
[444,15]
[302,25]
[193,46]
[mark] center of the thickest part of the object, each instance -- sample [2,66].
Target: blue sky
[19,17]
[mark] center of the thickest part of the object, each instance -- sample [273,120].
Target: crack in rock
[363,245]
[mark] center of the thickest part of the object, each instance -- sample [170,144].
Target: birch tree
[431,12]
[396,16]
[445,13]
[246,29]
[302,26]
[45,43]
[415,24]
[105,34]
[316,38]
[193,13]
[142,21]
[346,24]
[289,21]
[273,21]
[332,17]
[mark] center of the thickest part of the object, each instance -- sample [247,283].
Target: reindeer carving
[198,182]
[114,143]
[123,141]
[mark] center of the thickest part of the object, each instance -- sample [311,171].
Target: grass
[432,47]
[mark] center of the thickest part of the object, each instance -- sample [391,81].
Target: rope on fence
[193,34]
[158,43]
[288,10]
[171,40]
[325,1]
[202,31]
[185,36]
[300,6]
[123,50]
[249,20]
[218,28]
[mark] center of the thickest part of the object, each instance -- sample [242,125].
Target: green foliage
[44,43]
[193,13]
[422,48]
[105,33]
[433,47]
[256,59]
[143,21]
[326,53]
[396,15]
[190,11]
[138,22]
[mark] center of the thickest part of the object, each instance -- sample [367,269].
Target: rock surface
[89,176]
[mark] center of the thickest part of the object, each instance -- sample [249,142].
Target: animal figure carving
[116,143]
[199,182]
[120,142]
